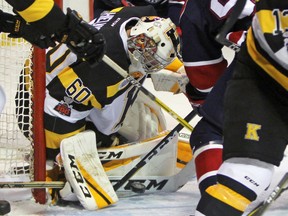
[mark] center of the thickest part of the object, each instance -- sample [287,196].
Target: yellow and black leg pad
[84,171]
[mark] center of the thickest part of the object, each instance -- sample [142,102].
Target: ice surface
[180,203]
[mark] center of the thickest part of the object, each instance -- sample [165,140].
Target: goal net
[21,121]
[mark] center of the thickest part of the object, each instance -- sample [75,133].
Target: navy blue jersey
[200,22]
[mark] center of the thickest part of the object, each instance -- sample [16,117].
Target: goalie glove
[166,80]
[82,38]
[18,27]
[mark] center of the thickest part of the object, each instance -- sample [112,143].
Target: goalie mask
[154,43]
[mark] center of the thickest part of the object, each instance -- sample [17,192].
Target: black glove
[83,39]
[195,96]
[18,27]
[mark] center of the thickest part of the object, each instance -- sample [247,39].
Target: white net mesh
[15,148]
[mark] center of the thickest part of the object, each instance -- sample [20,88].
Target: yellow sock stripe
[100,196]
[228,196]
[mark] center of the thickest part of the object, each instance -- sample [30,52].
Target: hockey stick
[153,152]
[231,20]
[153,183]
[279,189]
[138,85]
[33,184]
[160,183]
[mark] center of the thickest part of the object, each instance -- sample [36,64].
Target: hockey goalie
[101,123]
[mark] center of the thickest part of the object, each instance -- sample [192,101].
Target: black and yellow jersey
[74,88]
[43,14]
[267,39]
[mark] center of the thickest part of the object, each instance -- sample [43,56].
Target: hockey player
[203,59]
[207,136]
[255,115]
[204,64]
[77,93]
[70,99]
[49,25]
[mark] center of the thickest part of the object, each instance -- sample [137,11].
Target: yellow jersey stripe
[116,10]
[67,77]
[114,89]
[228,196]
[268,21]
[37,10]
[264,63]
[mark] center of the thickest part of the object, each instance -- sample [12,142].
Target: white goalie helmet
[154,42]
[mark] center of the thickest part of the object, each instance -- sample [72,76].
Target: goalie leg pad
[84,171]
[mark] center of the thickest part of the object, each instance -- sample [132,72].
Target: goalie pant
[253,143]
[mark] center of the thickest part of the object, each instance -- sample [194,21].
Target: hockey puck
[4,207]
[138,187]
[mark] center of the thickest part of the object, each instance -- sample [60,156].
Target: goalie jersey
[74,88]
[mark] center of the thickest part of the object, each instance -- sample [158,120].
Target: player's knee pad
[208,159]
[245,176]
